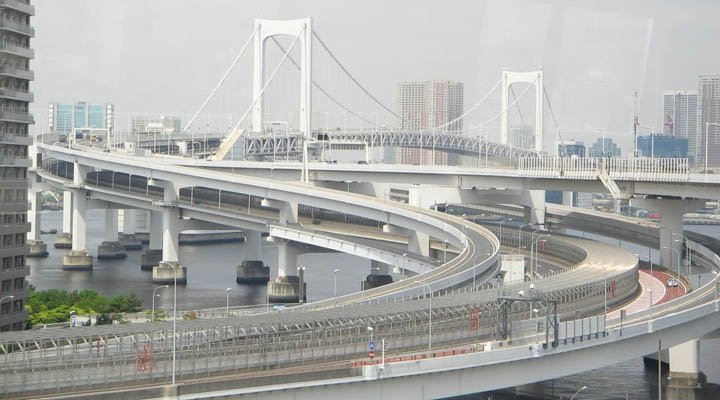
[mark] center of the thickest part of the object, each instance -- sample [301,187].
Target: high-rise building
[15,77]
[663,146]
[604,147]
[63,118]
[522,137]
[429,105]
[680,117]
[709,125]
[571,148]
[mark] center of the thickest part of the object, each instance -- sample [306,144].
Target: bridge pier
[38,248]
[533,202]
[418,242]
[169,270]
[64,239]
[685,367]
[671,225]
[127,237]
[78,259]
[285,288]
[379,276]
[110,248]
[252,270]
[153,255]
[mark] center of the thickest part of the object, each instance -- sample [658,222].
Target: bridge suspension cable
[552,115]
[259,95]
[473,108]
[498,115]
[323,91]
[517,107]
[222,80]
[352,78]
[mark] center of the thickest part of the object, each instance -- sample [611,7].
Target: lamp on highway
[445,251]
[533,249]
[152,315]
[227,301]
[335,271]
[429,313]
[519,235]
[576,393]
[678,259]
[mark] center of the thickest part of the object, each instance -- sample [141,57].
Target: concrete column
[110,248]
[286,288]
[37,247]
[154,253]
[127,238]
[169,269]
[379,276]
[685,365]
[534,203]
[419,243]
[78,258]
[252,270]
[64,239]
[567,198]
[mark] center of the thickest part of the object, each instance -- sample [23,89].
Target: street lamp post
[152,315]
[533,261]
[335,271]
[429,313]
[445,251]
[301,285]
[576,393]
[519,235]
[403,264]
[227,301]
[678,259]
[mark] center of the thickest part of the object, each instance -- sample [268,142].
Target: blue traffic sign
[371,345]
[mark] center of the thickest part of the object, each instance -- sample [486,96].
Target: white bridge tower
[531,77]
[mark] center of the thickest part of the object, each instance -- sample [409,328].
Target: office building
[15,74]
[522,137]
[604,147]
[663,146]
[680,117]
[570,148]
[63,118]
[429,105]
[162,125]
[709,115]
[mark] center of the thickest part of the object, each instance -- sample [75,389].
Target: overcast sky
[164,56]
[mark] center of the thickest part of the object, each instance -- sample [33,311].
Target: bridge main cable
[501,112]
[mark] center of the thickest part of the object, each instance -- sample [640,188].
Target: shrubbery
[54,305]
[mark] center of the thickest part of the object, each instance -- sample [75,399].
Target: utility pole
[636,123]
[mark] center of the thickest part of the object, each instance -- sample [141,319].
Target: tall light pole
[445,251]
[227,301]
[501,223]
[519,235]
[152,315]
[403,266]
[429,313]
[534,246]
[678,259]
[335,271]
[174,350]
[576,393]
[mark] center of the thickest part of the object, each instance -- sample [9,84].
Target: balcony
[17,50]
[21,117]
[17,28]
[17,73]
[11,138]
[17,5]
[14,94]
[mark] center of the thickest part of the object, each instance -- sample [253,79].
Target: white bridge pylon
[264,29]
[533,78]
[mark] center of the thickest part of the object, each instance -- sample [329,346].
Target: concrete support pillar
[64,239]
[252,270]
[288,211]
[379,276]
[153,255]
[419,243]
[110,248]
[169,269]
[671,225]
[567,198]
[37,247]
[685,365]
[534,203]
[286,288]
[78,258]
[127,237]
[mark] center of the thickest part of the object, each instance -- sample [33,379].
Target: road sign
[371,354]
[371,345]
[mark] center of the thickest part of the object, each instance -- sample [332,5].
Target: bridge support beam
[38,248]
[78,258]
[252,270]
[288,211]
[110,248]
[127,237]
[685,366]
[154,253]
[534,203]
[671,225]
[285,288]
[169,270]
[64,239]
